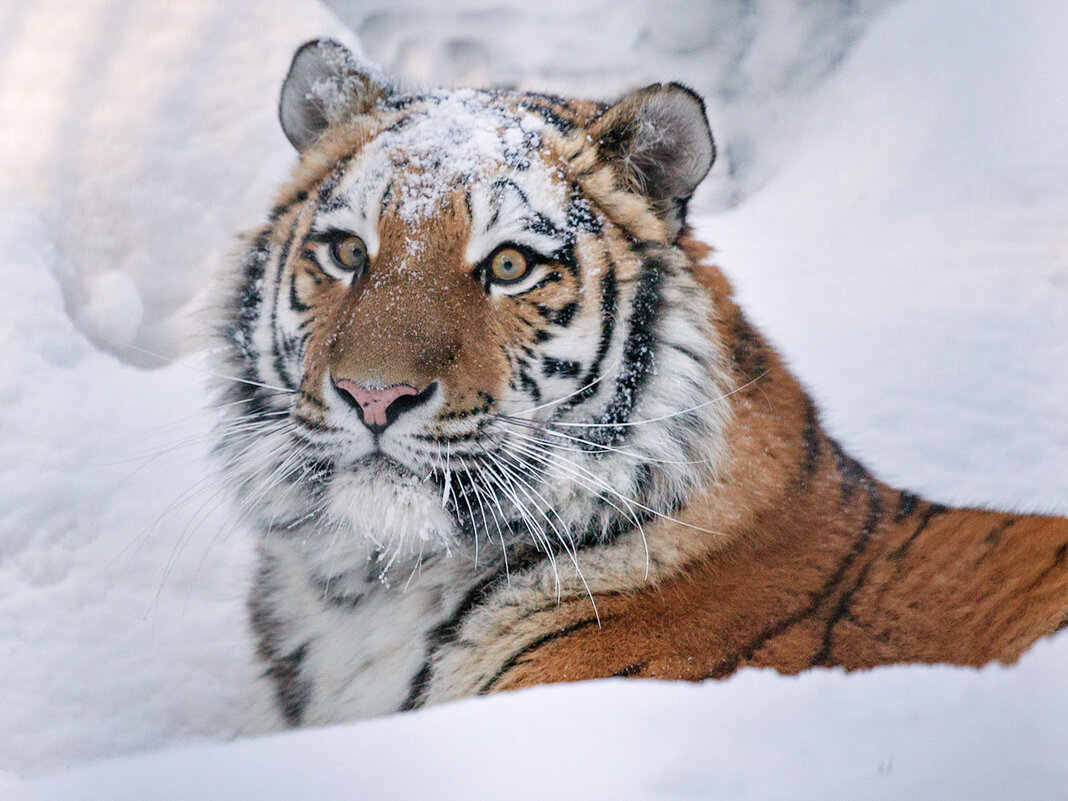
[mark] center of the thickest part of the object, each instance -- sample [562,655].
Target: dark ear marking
[659,141]
[325,86]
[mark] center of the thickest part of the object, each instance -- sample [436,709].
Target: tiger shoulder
[500,422]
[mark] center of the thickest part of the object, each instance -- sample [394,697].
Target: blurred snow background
[891,200]
[754,61]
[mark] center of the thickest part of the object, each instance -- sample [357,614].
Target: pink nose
[374,404]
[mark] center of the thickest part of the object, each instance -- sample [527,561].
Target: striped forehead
[454,146]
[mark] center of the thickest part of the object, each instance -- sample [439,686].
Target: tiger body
[502,424]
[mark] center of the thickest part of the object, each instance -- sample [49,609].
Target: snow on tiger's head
[461,308]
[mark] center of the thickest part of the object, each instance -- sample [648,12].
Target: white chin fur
[384,516]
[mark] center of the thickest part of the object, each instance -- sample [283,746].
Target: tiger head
[468,322]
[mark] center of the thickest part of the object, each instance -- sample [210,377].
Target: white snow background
[891,202]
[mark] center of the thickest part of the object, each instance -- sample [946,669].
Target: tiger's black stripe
[277,347]
[841,608]
[249,296]
[550,116]
[932,511]
[853,474]
[639,356]
[295,302]
[281,209]
[1060,557]
[816,599]
[292,690]
[565,315]
[530,647]
[906,504]
[448,631]
[609,302]
[811,437]
[563,367]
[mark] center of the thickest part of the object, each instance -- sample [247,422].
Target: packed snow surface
[900,733]
[904,246]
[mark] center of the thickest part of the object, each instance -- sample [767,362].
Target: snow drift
[906,251]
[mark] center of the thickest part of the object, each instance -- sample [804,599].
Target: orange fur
[822,564]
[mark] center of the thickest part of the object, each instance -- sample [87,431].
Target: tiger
[499,421]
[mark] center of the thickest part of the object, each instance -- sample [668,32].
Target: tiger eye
[349,253]
[508,265]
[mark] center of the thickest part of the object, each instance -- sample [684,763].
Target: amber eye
[507,265]
[349,253]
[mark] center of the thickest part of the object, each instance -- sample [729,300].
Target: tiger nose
[380,408]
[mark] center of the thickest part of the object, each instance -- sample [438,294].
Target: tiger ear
[660,144]
[325,86]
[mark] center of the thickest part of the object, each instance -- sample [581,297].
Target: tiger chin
[500,423]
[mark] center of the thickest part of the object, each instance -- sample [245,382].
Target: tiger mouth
[378,464]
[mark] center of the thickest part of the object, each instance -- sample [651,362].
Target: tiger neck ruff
[499,423]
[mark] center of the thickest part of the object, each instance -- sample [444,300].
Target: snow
[129,157]
[129,126]
[115,309]
[105,611]
[936,732]
[755,62]
[897,228]
[457,138]
[942,200]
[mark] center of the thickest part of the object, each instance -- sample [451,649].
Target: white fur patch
[361,641]
[382,515]
[503,216]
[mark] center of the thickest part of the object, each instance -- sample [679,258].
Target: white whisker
[527,518]
[594,447]
[563,538]
[642,506]
[187,366]
[578,391]
[661,418]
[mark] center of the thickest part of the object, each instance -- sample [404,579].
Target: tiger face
[467,324]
